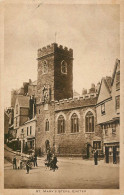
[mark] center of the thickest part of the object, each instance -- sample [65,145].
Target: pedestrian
[20,163]
[17,164]
[53,163]
[35,160]
[14,162]
[95,157]
[27,166]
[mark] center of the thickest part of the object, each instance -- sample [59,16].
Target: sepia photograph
[61,95]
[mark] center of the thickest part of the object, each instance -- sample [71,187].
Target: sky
[92,31]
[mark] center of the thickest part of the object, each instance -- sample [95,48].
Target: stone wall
[75,143]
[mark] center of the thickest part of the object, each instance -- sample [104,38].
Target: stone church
[65,124]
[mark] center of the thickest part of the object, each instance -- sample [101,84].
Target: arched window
[61,124]
[74,123]
[89,122]
[47,125]
[45,67]
[64,67]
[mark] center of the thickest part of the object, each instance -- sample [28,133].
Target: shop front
[112,152]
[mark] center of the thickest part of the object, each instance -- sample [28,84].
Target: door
[107,154]
[114,154]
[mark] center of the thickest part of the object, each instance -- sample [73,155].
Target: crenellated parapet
[53,48]
[77,102]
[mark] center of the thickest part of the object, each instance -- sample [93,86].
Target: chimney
[84,91]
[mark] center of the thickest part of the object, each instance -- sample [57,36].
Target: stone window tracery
[61,124]
[64,67]
[74,123]
[47,125]
[89,122]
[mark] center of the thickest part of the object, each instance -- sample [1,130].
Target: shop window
[47,125]
[74,123]
[103,109]
[117,102]
[61,124]
[63,67]
[97,144]
[89,122]
[118,80]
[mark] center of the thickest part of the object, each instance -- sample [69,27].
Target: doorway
[114,154]
[88,150]
[107,154]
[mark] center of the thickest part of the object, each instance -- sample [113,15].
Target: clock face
[64,67]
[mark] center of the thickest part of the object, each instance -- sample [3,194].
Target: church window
[45,67]
[74,123]
[63,67]
[89,122]
[47,125]
[61,124]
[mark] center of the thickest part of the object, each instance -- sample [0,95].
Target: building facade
[108,114]
[26,134]
[65,124]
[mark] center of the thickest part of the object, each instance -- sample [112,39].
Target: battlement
[54,47]
[84,100]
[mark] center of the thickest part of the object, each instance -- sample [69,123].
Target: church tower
[55,73]
[54,82]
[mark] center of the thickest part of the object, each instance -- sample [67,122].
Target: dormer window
[64,67]
[45,67]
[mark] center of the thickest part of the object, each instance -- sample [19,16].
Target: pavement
[76,160]
[73,173]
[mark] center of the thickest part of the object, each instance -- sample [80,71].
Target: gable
[104,92]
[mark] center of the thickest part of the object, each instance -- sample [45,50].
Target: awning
[110,121]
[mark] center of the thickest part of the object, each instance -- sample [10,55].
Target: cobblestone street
[72,174]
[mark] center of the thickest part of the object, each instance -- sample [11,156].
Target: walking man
[95,157]
[27,166]
[35,160]
[14,162]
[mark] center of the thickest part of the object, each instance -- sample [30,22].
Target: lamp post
[22,139]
